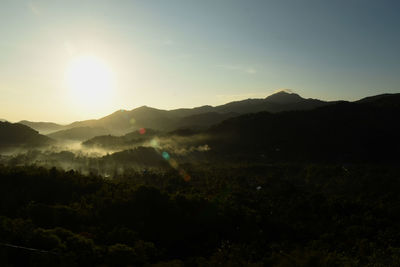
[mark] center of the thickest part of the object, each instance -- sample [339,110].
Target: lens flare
[187,178]
[154,143]
[142,130]
[173,164]
[165,155]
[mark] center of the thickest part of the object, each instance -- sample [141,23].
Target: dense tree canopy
[253,214]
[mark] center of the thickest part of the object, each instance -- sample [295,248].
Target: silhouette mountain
[281,101]
[383,100]
[201,120]
[78,133]
[42,127]
[140,156]
[342,131]
[122,121]
[117,123]
[16,135]
[184,112]
[121,142]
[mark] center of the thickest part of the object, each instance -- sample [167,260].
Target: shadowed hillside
[281,101]
[135,138]
[122,121]
[78,133]
[343,131]
[15,135]
[384,100]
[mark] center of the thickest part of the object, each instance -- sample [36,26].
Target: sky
[64,61]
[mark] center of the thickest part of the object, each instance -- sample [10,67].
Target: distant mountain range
[282,125]
[122,121]
[384,100]
[364,130]
[345,131]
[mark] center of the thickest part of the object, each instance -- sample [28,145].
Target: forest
[311,187]
[244,214]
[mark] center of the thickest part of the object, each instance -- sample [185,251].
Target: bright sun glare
[90,81]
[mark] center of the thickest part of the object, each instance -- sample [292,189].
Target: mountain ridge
[16,135]
[341,131]
[124,121]
[42,127]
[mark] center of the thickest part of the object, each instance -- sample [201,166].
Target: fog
[157,153]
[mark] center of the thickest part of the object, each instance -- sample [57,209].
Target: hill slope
[343,131]
[122,121]
[384,100]
[281,101]
[15,135]
[42,127]
[78,133]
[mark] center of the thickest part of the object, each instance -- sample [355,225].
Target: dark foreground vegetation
[306,187]
[238,214]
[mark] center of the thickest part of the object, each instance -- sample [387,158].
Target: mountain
[78,133]
[140,156]
[3,120]
[111,142]
[180,141]
[342,131]
[183,112]
[383,100]
[281,101]
[123,121]
[16,135]
[118,123]
[201,120]
[42,127]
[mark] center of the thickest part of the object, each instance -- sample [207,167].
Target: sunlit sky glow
[185,53]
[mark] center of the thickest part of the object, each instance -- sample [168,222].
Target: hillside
[383,100]
[201,121]
[78,133]
[123,121]
[111,142]
[15,135]
[364,129]
[42,127]
[281,101]
[343,131]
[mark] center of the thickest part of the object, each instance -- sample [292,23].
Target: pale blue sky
[184,53]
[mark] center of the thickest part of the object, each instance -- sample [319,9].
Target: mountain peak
[284,97]
[147,109]
[144,107]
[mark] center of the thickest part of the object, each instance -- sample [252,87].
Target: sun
[90,81]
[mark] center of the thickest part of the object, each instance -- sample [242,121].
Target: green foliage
[46,240]
[231,215]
